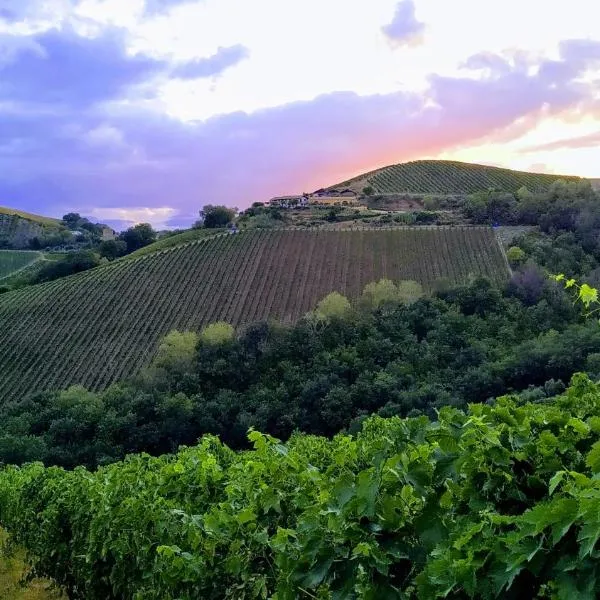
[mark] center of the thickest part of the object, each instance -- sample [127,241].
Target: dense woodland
[429,498]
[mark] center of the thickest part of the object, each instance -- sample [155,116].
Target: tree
[112,249]
[409,291]
[72,220]
[523,193]
[177,351]
[72,263]
[368,190]
[381,292]
[213,216]
[218,333]
[137,237]
[334,305]
[515,256]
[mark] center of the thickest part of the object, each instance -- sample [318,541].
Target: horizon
[148,110]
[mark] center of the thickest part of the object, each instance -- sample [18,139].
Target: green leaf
[555,481]
[592,460]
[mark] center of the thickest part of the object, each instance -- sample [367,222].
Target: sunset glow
[148,109]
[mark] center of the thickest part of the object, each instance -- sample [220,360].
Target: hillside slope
[18,228]
[13,261]
[49,221]
[96,327]
[448,177]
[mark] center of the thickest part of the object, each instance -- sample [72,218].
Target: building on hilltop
[289,201]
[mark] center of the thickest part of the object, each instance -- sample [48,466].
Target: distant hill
[96,327]
[17,227]
[596,184]
[448,177]
[30,216]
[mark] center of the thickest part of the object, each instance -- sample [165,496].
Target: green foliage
[500,501]
[75,262]
[409,291]
[138,237]
[380,293]
[212,216]
[584,293]
[319,376]
[112,249]
[334,305]
[216,334]
[515,256]
[177,350]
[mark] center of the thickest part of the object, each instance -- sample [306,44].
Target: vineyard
[191,235]
[500,502]
[15,260]
[99,326]
[449,177]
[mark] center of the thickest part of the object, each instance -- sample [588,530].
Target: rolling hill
[448,177]
[98,326]
[17,227]
[49,221]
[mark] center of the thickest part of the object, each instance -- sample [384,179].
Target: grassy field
[30,216]
[191,235]
[12,571]
[15,260]
[96,327]
[449,177]
[23,276]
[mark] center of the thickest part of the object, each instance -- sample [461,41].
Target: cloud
[591,140]
[113,160]
[212,66]
[404,28]
[128,216]
[157,7]
[73,71]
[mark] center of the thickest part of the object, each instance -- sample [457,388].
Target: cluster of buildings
[322,197]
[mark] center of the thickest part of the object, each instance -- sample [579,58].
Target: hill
[18,228]
[99,326]
[49,221]
[448,177]
[170,241]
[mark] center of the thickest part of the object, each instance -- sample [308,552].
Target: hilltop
[96,327]
[18,228]
[448,177]
[48,221]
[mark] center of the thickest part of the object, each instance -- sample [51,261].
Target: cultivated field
[15,260]
[96,327]
[450,177]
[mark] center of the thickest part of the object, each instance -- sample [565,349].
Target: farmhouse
[288,201]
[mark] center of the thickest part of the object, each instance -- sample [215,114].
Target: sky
[133,111]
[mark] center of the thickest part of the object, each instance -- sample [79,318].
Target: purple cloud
[96,160]
[404,27]
[591,140]
[73,71]
[212,66]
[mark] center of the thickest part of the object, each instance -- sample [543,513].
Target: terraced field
[96,327]
[450,177]
[16,260]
